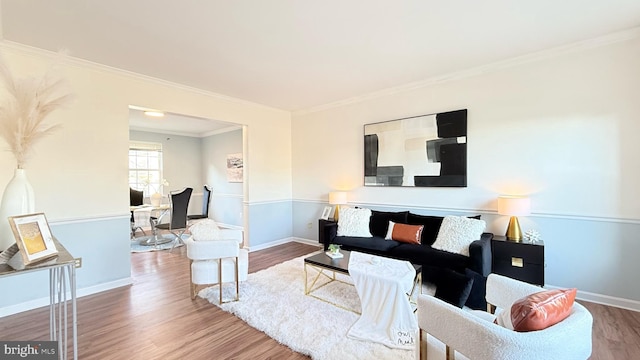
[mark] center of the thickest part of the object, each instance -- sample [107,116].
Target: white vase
[156,199]
[17,199]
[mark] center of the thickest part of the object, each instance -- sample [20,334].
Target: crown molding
[165,132]
[187,134]
[484,69]
[221,131]
[70,60]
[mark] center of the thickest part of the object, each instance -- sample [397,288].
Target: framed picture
[33,237]
[234,167]
[419,151]
[325,213]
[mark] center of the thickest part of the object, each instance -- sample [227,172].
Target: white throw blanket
[382,286]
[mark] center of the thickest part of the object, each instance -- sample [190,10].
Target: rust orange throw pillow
[404,233]
[540,310]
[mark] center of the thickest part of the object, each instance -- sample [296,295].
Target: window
[145,167]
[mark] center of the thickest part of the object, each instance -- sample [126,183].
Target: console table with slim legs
[62,292]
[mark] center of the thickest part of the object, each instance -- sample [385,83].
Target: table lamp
[337,198]
[514,206]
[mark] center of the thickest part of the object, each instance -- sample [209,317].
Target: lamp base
[336,213]
[514,233]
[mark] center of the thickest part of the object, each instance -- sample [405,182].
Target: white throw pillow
[205,230]
[457,233]
[354,222]
[504,319]
[389,235]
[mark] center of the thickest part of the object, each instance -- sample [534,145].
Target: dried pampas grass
[24,106]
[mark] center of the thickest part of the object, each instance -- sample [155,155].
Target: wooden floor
[156,319]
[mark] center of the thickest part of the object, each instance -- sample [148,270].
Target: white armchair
[473,333]
[217,261]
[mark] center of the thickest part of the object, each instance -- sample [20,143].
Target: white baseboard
[307,241]
[269,244]
[627,304]
[37,303]
[283,241]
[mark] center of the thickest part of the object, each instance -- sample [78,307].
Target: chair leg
[237,280]
[451,354]
[177,240]
[220,278]
[192,287]
[491,309]
[194,291]
[421,338]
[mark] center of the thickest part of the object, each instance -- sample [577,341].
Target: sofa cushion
[457,233]
[454,288]
[431,226]
[374,243]
[410,234]
[379,223]
[477,295]
[354,222]
[425,255]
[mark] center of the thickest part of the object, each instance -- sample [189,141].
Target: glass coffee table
[326,268]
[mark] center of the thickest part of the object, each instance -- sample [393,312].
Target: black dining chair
[206,197]
[178,224]
[135,199]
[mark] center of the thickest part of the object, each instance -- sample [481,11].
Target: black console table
[322,227]
[518,260]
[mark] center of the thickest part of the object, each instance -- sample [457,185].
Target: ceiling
[177,124]
[295,55]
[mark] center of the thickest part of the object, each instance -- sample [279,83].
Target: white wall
[80,173]
[562,129]
[226,198]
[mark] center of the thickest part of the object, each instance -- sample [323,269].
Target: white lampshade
[514,205]
[337,198]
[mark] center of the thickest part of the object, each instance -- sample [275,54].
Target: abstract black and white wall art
[424,151]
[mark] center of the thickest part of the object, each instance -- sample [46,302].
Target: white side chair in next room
[216,257]
[474,335]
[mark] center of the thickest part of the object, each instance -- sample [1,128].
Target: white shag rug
[273,301]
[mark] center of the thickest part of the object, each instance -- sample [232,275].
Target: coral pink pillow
[540,310]
[404,233]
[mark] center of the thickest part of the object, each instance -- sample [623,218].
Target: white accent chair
[473,333]
[217,261]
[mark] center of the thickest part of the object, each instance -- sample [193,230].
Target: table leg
[59,277]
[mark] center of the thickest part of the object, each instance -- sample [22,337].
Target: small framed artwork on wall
[325,213]
[235,167]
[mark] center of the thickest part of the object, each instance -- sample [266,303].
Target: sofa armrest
[327,231]
[480,254]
